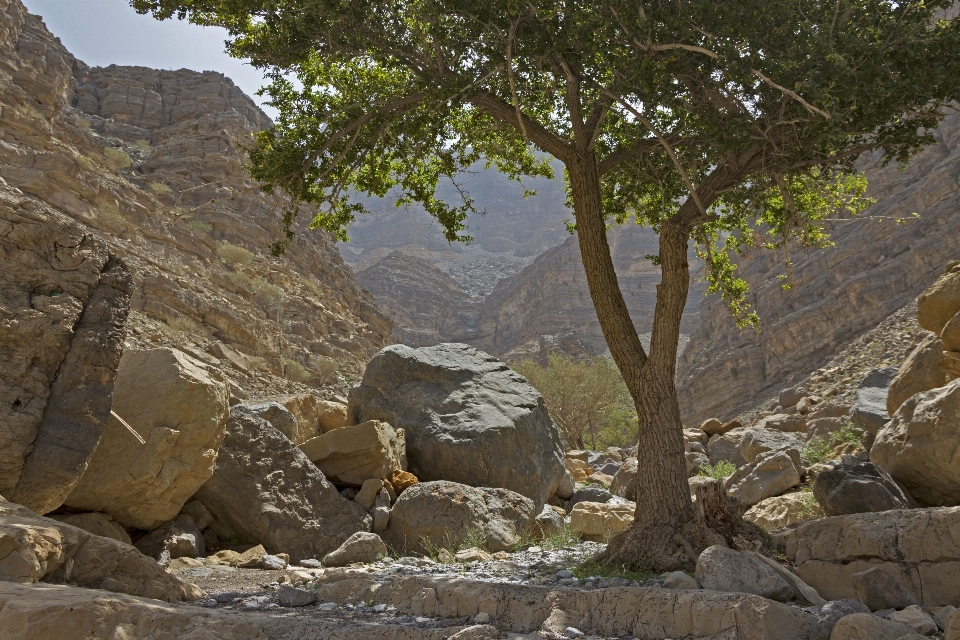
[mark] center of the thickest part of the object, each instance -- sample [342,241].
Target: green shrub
[142,145]
[117,158]
[821,449]
[109,213]
[234,255]
[722,469]
[159,188]
[200,225]
[326,368]
[267,294]
[295,371]
[83,162]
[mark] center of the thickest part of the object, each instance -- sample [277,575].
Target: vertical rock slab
[64,301]
[179,406]
[468,418]
[267,490]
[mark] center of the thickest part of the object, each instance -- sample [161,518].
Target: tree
[587,399]
[727,124]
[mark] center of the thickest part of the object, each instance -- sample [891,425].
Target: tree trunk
[668,533]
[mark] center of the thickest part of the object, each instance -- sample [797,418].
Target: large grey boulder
[920,446]
[830,614]
[870,410]
[430,515]
[266,490]
[878,589]
[625,481]
[770,474]
[756,442]
[726,447]
[862,487]
[468,418]
[720,568]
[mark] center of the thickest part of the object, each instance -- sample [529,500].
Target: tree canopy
[728,123]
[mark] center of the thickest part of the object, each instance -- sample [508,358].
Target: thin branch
[809,107]
[513,85]
[129,428]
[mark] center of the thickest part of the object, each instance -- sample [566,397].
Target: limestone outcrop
[34,548]
[267,491]
[179,406]
[468,418]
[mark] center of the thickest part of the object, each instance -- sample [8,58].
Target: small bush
[200,225]
[83,162]
[808,507]
[722,469]
[185,325]
[295,371]
[473,537]
[109,213]
[159,188]
[234,255]
[268,295]
[117,158]
[326,368]
[821,449]
[142,145]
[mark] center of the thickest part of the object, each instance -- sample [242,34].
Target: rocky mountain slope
[876,267]
[151,162]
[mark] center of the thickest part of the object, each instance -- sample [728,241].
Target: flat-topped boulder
[468,418]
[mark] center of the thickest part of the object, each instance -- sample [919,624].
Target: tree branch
[539,135]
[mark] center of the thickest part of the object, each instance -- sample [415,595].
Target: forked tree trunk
[668,533]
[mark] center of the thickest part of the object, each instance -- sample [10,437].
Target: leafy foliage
[723,469]
[117,158]
[587,399]
[233,254]
[822,449]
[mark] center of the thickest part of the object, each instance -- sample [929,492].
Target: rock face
[353,455]
[444,514]
[875,268]
[99,524]
[33,548]
[724,569]
[916,546]
[870,410]
[859,488]
[468,418]
[600,521]
[877,589]
[266,490]
[920,446]
[179,406]
[919,372]
[65,299]
[625,481]
[769,475]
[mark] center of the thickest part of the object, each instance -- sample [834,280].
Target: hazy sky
[105,32]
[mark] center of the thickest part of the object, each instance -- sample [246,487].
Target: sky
[105,32]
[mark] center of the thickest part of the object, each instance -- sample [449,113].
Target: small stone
[367,496]
[289,596]
[379,608]
[445,556]
[310,563]
[226,597]
[481,618]
[680,580]
[164,558]
[472,554]
[942,614]
[572,632]
[564,573]
[274,563]
[327,606]
[210,603]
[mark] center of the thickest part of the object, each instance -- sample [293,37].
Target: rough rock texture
[919,547]
[939,303]
[148,166]
[35,548]
[755,442]
[99,524]
[877,589]
[266,490]
[179,406]
[864,626]
[625,481]
[726,447]
[918,373]
[915,618]
[360,547]
[279,417]
[830,614]
[724,569]
[859,488]
[920,446]
[600,521]
[443,513]
[781,511]
[839,292]
[770,474]
[64,298]
[869,412]
[352,455]
[180,537]
[458,404]
[547,523]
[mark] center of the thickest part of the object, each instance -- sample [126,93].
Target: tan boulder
[353,455]
[598,521]
[950,364]
[367,495]
[598,477]
[781,511]
[305,408]
[401,480]
[331,415]
[920,446]
[919,372]
[179,406]
[579,469]
[34,548]
[941,301]
[711,426]
[866,626]
[99,524]
[951,334]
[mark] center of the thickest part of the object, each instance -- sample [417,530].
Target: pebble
[327,606]
[481,618]
[379,608]
[572,632]
[310,563]
[273,562]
